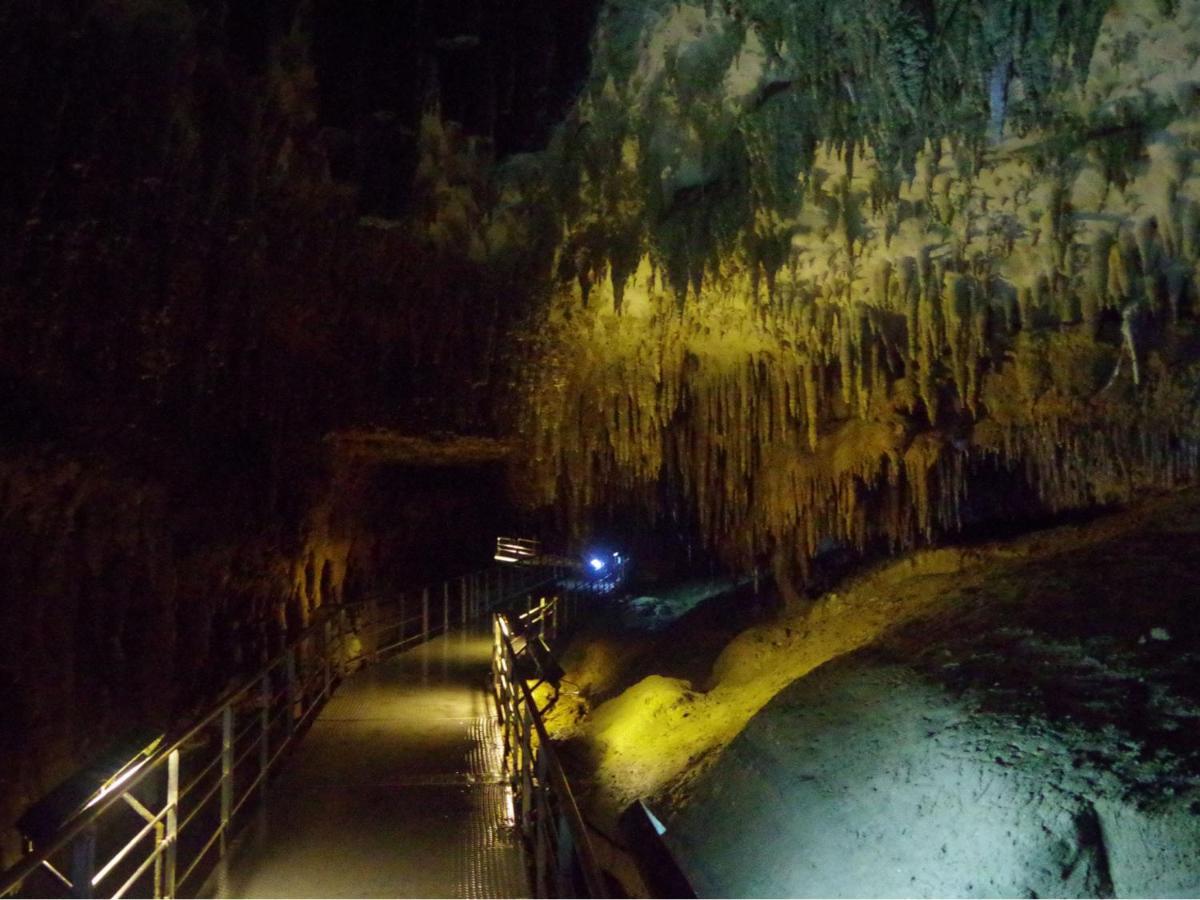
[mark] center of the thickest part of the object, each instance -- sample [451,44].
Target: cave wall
[192,300]
[809,301]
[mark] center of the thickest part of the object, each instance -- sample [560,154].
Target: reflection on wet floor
[396,791]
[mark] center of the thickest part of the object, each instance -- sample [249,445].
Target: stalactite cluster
[1028,316]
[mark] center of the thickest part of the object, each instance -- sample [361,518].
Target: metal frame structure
[171,822]
[563,861]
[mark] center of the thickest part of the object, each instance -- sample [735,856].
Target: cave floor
[396,791]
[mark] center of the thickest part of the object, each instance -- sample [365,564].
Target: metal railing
[168,825]
[563,861]
[515,550]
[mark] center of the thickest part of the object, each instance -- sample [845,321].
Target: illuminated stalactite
[764,445]
[853,402]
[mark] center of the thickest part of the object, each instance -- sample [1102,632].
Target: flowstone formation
[827,271]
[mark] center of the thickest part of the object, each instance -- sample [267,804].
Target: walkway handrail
[266,713]
[564,862]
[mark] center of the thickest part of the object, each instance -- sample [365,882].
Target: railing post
[325,661]
[526,727]
[83,862]
[264,737]
[343,645]
[540,825]
[446,607]
[172,834]
[564,851]
[159,835]
[424,614]
[327,687]
[226,774]
[372,629]
[289,661]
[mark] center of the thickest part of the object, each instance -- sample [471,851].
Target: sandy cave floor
[1090,627]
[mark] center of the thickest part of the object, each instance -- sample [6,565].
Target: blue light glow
[597,563]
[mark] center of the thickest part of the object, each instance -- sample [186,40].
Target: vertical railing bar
[325,655]
[343,647]
[372,622]
[565,851]
[159,834]
[290,695]
[172,835]
[264,724]
[403,620]
[540,826]
[526,770]
[226,774]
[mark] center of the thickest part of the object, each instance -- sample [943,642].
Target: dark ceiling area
[504,71]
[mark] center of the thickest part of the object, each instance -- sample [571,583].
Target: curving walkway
[396,791]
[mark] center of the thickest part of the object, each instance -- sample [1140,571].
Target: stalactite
[903,348]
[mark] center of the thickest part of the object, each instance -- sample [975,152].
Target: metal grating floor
[396,791]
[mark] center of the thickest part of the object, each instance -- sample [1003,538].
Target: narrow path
[396,791]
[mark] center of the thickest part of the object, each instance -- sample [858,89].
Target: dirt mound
[868,779]
[1034,735]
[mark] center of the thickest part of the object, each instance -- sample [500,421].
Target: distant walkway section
[397,790]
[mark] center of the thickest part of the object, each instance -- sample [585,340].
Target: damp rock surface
[866,779]
[1000,700]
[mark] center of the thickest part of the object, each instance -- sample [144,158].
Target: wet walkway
[396,791]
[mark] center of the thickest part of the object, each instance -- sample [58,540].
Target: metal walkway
[396,791]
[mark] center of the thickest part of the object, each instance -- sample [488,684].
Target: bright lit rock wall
[813,285]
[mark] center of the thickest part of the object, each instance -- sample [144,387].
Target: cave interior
[868,329]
